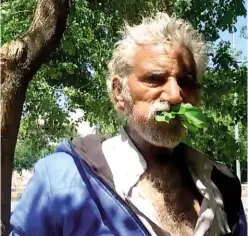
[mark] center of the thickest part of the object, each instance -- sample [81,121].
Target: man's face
[162,76]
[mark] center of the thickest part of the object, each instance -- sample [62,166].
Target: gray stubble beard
[156,133]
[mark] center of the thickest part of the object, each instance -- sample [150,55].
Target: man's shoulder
[195,156]
[56,162]
[58,170]
[222,177]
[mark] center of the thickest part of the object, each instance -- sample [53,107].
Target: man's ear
[117,95]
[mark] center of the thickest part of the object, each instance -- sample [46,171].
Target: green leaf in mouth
[192,117]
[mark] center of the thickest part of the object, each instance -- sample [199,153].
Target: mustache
[158,106]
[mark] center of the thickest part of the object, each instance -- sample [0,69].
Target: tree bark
[20,60]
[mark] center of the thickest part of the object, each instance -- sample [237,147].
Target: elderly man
[143,181]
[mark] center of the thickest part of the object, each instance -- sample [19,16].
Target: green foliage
[191,117]
[211,17]
[224,103]
[43,124]
[15,18]
[28,151]
[77,71]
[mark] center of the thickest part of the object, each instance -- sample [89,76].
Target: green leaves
[192,118]
[79,70]
[15,18]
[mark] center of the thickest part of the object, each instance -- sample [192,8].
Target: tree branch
[20,60]
[29,51]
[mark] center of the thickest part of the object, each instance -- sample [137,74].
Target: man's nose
[172,92]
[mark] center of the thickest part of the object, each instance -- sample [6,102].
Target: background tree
[223,92]
[78,69]
[20,59]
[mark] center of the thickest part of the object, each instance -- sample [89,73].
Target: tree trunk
[20,60]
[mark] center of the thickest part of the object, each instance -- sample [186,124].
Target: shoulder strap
[89,148]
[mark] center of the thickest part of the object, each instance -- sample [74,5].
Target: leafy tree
[28,151]
[20,59]
[223,82]
[43,124]
[78,68]
[224,103]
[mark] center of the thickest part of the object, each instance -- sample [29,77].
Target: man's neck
[150,152]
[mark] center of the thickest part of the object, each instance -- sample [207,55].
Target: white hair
[161,29]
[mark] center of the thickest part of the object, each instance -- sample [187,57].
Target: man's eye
[189,81]
[154,79]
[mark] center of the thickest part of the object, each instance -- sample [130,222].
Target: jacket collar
[121,165]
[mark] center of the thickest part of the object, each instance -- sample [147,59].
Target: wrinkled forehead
[163,57]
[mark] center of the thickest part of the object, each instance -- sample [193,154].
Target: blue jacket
[66,197]
[60,200]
